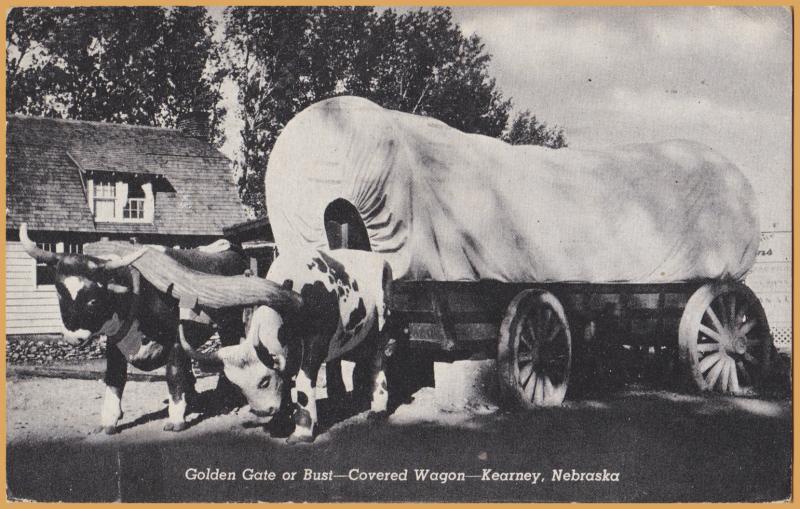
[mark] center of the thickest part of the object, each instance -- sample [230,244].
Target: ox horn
[34,251]
[208,359]
[276,362]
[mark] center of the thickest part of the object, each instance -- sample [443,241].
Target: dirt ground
[663,445]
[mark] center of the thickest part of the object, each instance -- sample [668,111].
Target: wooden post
[345,229]
[443,318]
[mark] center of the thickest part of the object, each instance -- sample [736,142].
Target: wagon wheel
[724,339]
[534,351]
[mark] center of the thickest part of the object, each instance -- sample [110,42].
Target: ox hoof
[105,430]
[377,416]
[193,401]
[300,439]
[175,426]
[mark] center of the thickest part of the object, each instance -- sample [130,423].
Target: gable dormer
[120,198]
[103,178]
[119,188]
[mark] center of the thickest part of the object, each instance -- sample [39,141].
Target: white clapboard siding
[29,310]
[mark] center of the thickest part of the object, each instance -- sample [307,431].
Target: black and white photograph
[398,254]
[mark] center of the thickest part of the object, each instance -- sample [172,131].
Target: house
[75,182]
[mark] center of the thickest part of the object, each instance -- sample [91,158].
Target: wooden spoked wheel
[724,338]
[534,351]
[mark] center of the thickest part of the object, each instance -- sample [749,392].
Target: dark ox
[110,297]
[341,315]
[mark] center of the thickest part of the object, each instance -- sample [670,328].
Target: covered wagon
[519,251]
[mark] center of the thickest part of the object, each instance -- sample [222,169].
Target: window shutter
[149,202]
[90,194]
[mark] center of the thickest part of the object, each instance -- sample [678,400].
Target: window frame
[105,192]
[42,282]
[41,268]
[139,209]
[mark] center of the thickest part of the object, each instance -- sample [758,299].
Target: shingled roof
[45,158]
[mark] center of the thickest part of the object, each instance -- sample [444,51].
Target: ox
[109,297]
[341,314]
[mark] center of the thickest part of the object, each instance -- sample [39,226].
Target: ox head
[87,287]
[259,365]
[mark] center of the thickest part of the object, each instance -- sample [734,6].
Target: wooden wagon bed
[717,328]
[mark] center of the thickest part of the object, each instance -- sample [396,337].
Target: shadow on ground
[665,446]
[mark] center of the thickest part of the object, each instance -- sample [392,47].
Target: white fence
[771,280]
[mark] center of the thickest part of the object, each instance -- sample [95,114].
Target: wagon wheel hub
[739,345]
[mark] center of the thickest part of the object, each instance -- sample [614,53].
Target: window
[73,248]
[134,209]
[104,190]
[105,194]
[44,274]
[122,201]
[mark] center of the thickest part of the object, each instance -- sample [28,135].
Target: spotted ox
[109,297]
[342,313]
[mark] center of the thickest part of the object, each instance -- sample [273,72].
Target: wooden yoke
[197,290]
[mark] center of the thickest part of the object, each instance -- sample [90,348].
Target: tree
[283,59]
[269,58]
[193,68]
[420,62]
[144,65]
[527,130]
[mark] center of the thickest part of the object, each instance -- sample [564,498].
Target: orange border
[5,5]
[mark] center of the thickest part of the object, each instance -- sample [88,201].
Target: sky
[609,76]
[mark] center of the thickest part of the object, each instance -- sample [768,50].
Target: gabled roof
[45,158]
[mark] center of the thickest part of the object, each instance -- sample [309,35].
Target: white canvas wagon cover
[444,205]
